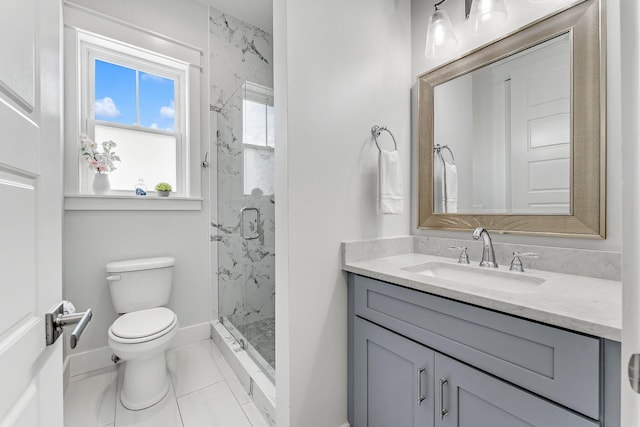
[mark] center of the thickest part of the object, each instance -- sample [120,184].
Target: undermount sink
[487,278]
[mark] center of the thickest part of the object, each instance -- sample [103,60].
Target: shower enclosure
[243,225]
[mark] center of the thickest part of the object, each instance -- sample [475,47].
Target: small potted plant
[163,189]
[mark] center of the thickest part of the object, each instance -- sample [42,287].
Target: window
[259,139]
[138,100]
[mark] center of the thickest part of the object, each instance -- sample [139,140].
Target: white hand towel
[438,184]
[390,174]
[451,202]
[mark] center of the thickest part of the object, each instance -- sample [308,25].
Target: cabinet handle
[443,412]
[421,397]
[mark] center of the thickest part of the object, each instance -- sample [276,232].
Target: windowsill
[113,202]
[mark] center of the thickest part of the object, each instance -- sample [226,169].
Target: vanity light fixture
[484,15]
[440,35]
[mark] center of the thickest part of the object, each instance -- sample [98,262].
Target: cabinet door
[467,397]
[393,379]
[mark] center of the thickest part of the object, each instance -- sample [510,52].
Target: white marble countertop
[583,304]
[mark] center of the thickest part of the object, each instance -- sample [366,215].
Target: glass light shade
[485,15]
[440,35]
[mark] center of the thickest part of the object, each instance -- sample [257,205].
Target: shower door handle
[256,235]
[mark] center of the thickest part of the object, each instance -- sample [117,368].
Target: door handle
[56,320]
[421,397]
[443,411]
[633,370]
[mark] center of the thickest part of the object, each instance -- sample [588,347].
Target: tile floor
[262,335]
[204,392]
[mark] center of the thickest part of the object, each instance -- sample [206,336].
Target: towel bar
[376,130]
[438,148]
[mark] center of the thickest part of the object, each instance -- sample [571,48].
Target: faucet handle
[516,262]
[464,256]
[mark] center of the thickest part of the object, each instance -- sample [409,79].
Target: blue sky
[115,92]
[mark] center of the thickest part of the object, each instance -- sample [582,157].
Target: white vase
[101,184]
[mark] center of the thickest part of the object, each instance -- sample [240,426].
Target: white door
[630,43]
[541,131]
[30,211]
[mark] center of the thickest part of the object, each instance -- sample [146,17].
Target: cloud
[153,78]
[153,126]
[168,111]
[106,107]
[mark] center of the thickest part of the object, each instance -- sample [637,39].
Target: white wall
[520,13]
[631,272]
[340,68]
[93,238]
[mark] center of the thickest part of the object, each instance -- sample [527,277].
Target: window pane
[258,170]
[254,124]
[157,102]
[271,126]
[115,93]
[149,156]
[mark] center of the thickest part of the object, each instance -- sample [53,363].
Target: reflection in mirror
[502,135]
[258,137]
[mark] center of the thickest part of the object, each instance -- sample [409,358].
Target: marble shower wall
[240,52]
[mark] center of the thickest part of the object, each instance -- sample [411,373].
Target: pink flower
[101,162]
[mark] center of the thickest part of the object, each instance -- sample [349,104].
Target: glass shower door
[246,222]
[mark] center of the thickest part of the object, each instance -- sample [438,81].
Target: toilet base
[145,382]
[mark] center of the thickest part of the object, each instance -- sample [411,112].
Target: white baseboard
[346,425]
[88,361]
[100,358]
[191,334]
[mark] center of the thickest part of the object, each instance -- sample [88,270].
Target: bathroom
[338,69]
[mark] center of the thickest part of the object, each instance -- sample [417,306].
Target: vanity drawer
[560,365]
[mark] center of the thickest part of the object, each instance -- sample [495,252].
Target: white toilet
[139,288]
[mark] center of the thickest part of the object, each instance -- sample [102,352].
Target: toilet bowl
[140,339]
[140,336]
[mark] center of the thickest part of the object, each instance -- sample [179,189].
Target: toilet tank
[138,284]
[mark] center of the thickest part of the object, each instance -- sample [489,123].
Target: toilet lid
[143,323]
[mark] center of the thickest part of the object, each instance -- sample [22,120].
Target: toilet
[139,289]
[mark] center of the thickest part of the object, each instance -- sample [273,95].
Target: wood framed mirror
[523,163]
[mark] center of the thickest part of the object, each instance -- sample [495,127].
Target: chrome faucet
[488,256]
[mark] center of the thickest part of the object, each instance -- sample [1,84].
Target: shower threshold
[252,375]
[258,340]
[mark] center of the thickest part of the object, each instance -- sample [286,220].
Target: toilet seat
[142,326]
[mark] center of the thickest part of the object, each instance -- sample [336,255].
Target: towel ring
[376,130]
[438,148]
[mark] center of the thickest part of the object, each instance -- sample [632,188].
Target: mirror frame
[583,22]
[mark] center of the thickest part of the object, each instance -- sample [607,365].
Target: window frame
[92,47]
[263,95]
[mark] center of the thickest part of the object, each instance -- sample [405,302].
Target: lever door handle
[80,327]
[56,320]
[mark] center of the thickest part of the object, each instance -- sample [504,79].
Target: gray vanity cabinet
[471,398]
[485,369]
[400,383]
[393,379]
